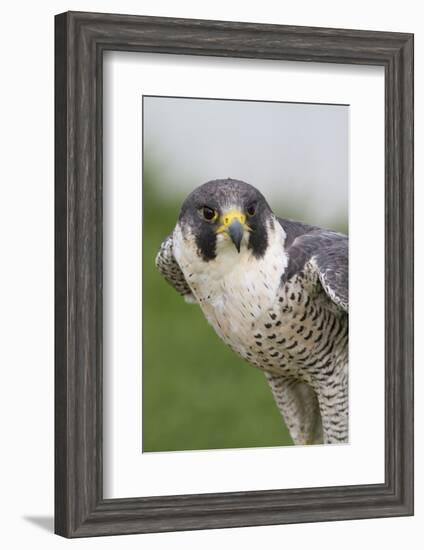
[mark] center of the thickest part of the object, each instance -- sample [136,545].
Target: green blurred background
[197,394]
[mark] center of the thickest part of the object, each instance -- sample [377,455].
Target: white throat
[236,286]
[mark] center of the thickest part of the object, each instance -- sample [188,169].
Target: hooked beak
[235,231]
[233,223]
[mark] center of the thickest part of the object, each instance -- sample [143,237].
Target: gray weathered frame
[80,40]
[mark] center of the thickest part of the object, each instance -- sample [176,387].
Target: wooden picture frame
[80,40]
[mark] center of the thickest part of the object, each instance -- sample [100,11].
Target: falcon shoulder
[327,254]
[170,270]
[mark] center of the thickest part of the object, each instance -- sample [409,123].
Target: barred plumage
[279,298]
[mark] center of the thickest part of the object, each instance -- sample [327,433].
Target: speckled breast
[295,333]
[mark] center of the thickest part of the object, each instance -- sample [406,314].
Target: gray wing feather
[327,252]
[332,265]
[169,268]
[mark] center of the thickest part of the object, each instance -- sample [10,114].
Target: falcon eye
[251,210]
[209,214]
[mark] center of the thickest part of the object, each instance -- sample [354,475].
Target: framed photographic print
[234,274]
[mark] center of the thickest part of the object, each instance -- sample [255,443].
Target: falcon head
[224,215]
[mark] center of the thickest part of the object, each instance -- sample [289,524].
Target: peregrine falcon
[276,292]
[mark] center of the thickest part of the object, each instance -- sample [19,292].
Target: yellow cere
[228,217]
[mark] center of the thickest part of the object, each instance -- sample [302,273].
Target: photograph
[233,274]
[245,273]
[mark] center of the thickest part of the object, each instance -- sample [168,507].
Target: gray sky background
[296,154]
